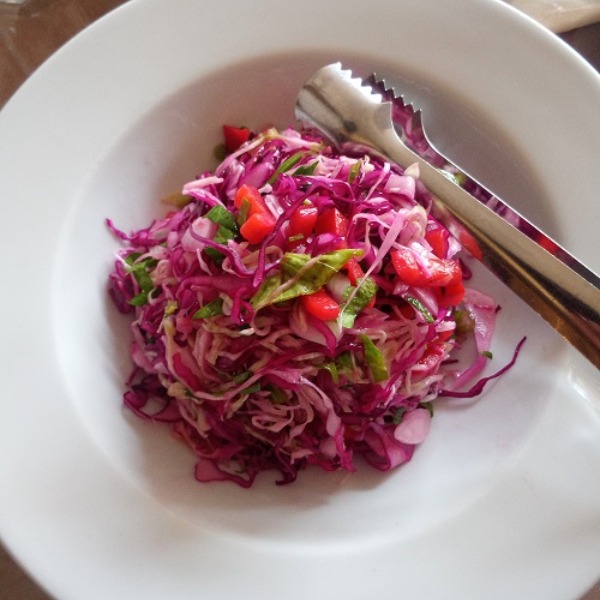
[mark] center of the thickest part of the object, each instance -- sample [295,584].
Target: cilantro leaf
[375,360]
[212,309]
[365,293]
[300,275]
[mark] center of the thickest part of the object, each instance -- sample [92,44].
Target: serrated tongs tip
[350,111]
[342,106]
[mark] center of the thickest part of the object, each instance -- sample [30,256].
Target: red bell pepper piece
[235,137]
[429,361]
[450,295]
[257,227]
[301,224]
[438,272]
[438,240]
[354,270]
[321,305]
[251,195]
[303,221]
[331,220]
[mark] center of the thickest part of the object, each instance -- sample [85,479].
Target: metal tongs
[555,284]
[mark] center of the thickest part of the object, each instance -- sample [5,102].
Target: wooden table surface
[32,30]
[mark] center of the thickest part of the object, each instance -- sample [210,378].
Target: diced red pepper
[407,310]
[470,243]
[444,336]
[438,240]
[438,272]
[407,267]
[235,137]
[450,295]
[303,221]
[257,227]
[331,220]
[251,195]
[429,361]
[321,305]
[355,272]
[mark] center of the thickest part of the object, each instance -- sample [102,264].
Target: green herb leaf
[354,171]
[375,360]
[331,367]
[286,165]
[220,215]
[464,322]
[265,291]
[141,273]
[365,293]
[277,394]
[140,299]
[212,309]
[345,361]
[221,237]
[420,307]
[398,415]
[487,354]
[243,376]
[252,389]
[301,275]
[306,169]
[131,258]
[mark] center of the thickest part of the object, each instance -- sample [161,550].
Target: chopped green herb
[220,215]
[487,354]
[365,293]
[354,171]
[140,299]
[212,309]
[420,307]
[306,169]
[300,275]
[331,367]
[345,361]
[399,415]
[464,322]
[141,273]
[131,258]
[277,394]
[286,165]
[252,389]
[243,376]
[375,360]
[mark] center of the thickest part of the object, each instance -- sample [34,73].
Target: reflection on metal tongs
[553,283]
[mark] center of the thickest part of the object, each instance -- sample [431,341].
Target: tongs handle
[570,303]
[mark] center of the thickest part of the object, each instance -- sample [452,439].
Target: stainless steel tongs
[562,290]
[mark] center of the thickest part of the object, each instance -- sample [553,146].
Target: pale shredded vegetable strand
[226,350]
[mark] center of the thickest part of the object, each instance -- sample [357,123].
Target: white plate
[501,501]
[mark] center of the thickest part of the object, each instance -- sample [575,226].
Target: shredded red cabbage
[233,344]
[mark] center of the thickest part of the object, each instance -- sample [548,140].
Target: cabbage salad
[297,306]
